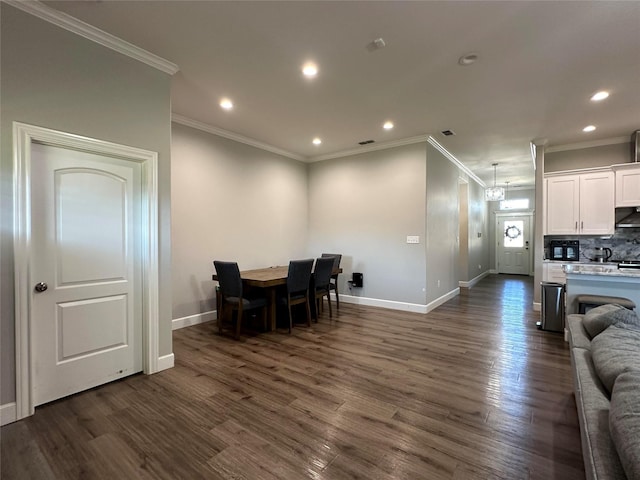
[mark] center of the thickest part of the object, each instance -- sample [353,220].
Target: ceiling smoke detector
[448,133]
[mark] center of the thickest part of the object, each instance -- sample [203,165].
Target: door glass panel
[513,234]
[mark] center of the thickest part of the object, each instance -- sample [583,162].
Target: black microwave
[565,250]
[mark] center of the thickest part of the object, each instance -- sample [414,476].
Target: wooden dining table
[269,279]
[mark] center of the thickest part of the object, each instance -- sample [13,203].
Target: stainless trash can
[552,307]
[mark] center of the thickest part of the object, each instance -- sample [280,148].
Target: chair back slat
[322,272]
[229,278]
[299,275]
[337,257]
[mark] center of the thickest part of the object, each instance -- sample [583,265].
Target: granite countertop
[605,270]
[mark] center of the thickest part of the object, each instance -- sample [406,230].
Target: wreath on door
[512,232]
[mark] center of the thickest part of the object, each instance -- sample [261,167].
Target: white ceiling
[539,62]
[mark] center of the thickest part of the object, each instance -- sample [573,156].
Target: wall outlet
[438,283]
[479,267]
[413,239]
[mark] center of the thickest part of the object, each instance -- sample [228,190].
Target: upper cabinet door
[597,211]
[628,186]
[562,208]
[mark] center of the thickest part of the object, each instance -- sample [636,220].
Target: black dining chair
[322,280]
[337,257]
[298,278]
[232,298]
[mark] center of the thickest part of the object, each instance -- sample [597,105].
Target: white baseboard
[165,362]
[190,320]
[8,413]
[473,281]
[493,271]
[537,306]
[443,299]
[404,306]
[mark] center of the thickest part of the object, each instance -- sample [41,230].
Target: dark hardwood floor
[471,390]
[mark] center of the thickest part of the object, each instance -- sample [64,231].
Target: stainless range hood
[630,221]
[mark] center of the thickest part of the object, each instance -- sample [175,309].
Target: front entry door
[85,270]
[513,236]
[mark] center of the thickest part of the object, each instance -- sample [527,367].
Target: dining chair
[298,278]
[337,257]
[322,281]
[232,298]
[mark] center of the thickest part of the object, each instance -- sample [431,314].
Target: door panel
[87,326]
[82,329]
[90,254]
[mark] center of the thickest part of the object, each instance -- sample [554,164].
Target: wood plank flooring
[471,390]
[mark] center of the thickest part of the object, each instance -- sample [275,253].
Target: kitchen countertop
[605,270]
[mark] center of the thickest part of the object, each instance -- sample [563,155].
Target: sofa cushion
[614,351]
[599,452]
[599,318]
[624,422]
[578,336]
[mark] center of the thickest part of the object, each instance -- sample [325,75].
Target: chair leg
[239,323]
[337,297]
[306,304]
[329,302]
[220,317]
[290,316]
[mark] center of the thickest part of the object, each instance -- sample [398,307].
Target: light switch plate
[413,239]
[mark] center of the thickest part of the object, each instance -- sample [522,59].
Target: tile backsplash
[624,244]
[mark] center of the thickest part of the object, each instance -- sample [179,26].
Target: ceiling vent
[365,142]
[448,133]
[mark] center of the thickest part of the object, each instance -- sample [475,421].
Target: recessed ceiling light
[316,141]
[589,128]
[310,70]
[226,104]
[387,125]
[468,59]
[600,96]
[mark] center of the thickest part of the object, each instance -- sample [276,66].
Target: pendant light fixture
[493,194]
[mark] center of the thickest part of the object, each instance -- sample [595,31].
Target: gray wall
[56,79]
[231,202]
[442,272]
[478,260]
[463,230]
[593,157]
[364,206]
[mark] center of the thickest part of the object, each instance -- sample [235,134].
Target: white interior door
[513,235]
[85,224]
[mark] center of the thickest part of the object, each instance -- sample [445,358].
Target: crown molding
[205,127]
[590,144]
[370,148]
[72,24]
[455,161]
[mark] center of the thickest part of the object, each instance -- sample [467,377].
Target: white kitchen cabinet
[628,185]
[580,204]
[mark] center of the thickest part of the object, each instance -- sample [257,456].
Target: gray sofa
[605,357]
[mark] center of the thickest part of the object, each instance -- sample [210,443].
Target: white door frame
[503,214]
[23,136]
